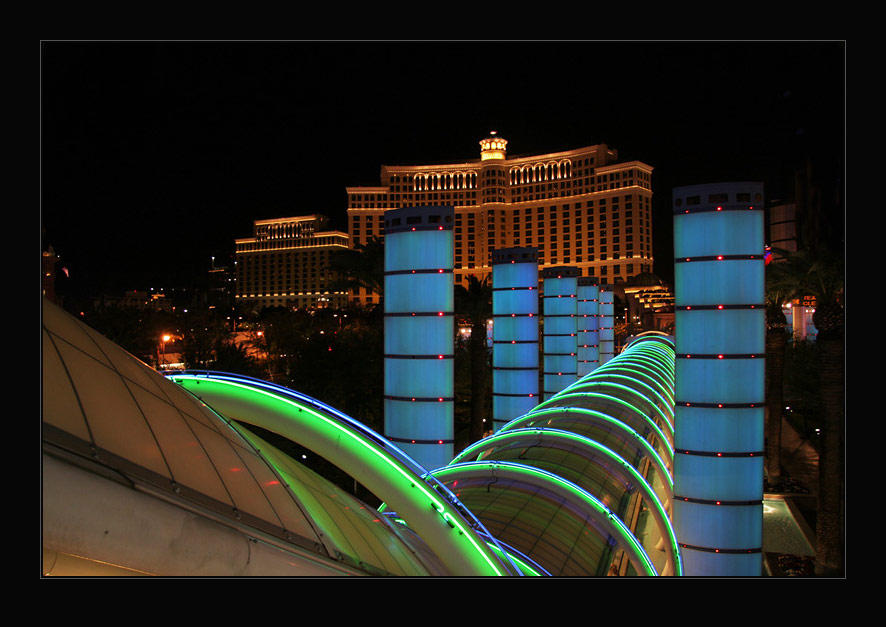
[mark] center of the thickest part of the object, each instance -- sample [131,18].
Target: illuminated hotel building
[284,263]
[578,207]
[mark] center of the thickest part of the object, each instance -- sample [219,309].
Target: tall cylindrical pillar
[720,394]
[606,323]
[514,333]
[588,309]
[559,335]
[419,333]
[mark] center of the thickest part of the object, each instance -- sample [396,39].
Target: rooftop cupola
[493,147]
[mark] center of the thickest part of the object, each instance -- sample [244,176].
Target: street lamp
[163,339]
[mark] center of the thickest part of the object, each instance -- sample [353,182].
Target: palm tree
[826,284]
[818,272]
[360,267]
[474,303]
[784,281]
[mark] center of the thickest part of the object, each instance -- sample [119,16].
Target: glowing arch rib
[599,419]
[617,368]
[605,411]
[629,444]
[432,515]
[622,395]
[646,392]
[535,439]
[549,486]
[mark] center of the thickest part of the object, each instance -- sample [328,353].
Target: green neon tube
[666,370]
[642,366]
[661,435]
[649,390]
[569,393]
[616,368]
[662,519]
[456,544]
[632,435]
[666,366]
[634,549]
[522,564]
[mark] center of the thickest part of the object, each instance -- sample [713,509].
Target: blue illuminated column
[515,333]
[606,324]
[419,333]
[720,342]
[588,308]
[559,334]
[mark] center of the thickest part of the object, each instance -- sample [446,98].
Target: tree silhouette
[474,303]
[817,271]
[784,282]
[360,267]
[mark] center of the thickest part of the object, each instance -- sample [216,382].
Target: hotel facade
[581,207]
[285,263]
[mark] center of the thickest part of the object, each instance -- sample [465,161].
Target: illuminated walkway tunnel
[144,474]
[581,484]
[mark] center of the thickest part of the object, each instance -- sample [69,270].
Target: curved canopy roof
[567,502]
[609,437]
[561,526]
[103,408]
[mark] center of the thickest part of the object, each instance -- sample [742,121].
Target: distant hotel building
[284,263]
[579,207]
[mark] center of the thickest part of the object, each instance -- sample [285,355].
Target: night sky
[155,156]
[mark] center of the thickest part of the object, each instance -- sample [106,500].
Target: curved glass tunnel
[151,475]
[582,483]
[578,486]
